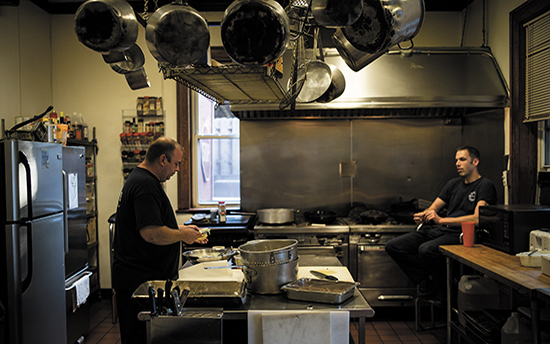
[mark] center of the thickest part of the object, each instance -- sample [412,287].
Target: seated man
[417,253]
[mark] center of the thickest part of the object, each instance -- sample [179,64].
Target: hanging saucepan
[255,32]
[337,85]
[133,60]
[317,81]
[318,75]
[176,33]
[105,25]
[137,79]
[381,25]
[336,13]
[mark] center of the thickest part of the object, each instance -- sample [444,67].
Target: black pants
[132,330]
[417,254]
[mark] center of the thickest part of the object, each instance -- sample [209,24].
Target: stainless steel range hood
[431,79]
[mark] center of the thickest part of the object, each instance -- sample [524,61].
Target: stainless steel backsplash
[330,164]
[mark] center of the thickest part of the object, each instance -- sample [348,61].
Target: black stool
[420,304]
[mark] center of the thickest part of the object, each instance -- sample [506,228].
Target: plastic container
[476,293]
[510,331]
[532,258]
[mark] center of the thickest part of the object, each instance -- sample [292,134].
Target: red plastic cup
[468,232]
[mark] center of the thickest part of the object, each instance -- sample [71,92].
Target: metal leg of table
[449,279]
[535,320]
[362,335]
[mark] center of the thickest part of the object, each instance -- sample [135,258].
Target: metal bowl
[209,254]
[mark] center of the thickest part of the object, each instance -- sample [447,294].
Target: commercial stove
[383,283]
[318,241]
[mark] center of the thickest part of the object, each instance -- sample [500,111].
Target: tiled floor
[379,329]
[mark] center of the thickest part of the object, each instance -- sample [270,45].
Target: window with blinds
[537,68]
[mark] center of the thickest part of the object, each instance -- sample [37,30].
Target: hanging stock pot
[382,24]
[255,32]
[177,34]
[336,13]
[106,25]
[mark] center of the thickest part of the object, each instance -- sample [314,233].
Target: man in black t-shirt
[417,253]
[147,236]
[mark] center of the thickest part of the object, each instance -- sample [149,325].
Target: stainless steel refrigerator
[32,243]
[76,259]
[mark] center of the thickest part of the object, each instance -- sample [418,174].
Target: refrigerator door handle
[25,162]
[27,280]
[65,216]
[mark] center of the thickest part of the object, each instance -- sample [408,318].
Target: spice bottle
[221,211]
[152,106]
[145,106]
[139,106]
[159,106]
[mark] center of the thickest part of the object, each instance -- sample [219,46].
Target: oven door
[383,283]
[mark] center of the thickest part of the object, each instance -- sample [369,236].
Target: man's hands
[426,216]
[192,234]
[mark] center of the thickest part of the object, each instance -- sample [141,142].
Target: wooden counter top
[499,266]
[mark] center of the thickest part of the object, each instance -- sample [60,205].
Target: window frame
[195,138]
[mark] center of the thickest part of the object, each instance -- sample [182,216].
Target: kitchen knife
[183,296]
[321,275]
[176,303]
[160,301]
[152,301]
[167,291]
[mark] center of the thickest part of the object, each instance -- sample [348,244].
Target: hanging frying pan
[255,32]
[105,25]
[336,87]
[177,34]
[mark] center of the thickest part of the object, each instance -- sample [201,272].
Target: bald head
[162,145]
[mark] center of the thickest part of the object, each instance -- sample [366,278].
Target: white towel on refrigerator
[82,287]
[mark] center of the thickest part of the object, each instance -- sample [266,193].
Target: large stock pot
[382,25]
[176,33]
[269,264]
[255,32]
[105,25]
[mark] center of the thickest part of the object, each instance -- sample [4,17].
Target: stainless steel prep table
[357,306]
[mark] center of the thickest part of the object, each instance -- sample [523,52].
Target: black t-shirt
[461,199]
[142,202]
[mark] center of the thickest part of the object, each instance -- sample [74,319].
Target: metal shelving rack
[91,150]
[233,84]
[129,163]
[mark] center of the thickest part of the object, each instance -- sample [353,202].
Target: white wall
[42,63]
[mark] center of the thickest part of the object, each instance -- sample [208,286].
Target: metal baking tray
[201,293]
[316,290]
